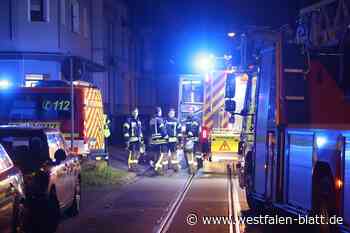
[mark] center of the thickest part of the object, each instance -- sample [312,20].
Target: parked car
[12,197]
[51,174]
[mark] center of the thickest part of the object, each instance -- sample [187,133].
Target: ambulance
[204,95]
[48,104]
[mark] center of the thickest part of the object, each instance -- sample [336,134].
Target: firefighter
[134,138]
[159,139]
[173,128]
[192,132]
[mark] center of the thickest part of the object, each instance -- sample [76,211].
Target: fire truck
[204,94]
[298,160]
[48,104]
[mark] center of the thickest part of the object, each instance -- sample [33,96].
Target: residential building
[39,37]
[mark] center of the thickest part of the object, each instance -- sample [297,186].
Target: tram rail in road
[167,219]
[232,197]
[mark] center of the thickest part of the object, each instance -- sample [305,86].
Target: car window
[5,161]
[60,141]
[16,141]
[53,144]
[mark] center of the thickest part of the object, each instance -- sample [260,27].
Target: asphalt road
[143,206]
[207,196]
[136,208]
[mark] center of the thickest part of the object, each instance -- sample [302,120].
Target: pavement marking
[230,203]
[237,205]
[234,206]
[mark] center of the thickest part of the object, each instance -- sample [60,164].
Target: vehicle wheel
[19,217]
[324,204]
[75,207]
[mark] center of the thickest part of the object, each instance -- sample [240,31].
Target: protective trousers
[190,156]
[134,155]
[173,158]
[160,161]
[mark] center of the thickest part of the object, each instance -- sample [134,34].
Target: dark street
[169,116]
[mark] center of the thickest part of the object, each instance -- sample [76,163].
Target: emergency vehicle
[204,94]
[48,104]
[299,159]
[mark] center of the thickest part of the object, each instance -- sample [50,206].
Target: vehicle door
[59,178]
[69,164]
[7,192]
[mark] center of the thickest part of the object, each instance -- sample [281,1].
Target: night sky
[184,28]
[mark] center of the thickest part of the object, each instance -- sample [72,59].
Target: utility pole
[72,103]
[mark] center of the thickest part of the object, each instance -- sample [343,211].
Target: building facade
[39,37]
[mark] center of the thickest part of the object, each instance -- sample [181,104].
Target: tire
[19,217]
[324,204]
[74,209]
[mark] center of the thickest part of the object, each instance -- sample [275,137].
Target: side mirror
[230,105]
[60,155]
[230,90]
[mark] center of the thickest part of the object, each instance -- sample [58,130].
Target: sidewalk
[118,158]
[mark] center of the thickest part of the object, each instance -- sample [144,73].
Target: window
[5,161]
[53,144]
[38,10]
[86,23]
[32,79]
[63,12]
[75,16]
[60,141]
[35,106]
[192,91]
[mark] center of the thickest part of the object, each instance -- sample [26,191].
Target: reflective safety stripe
[159,141]
[175,161]
[134,139]
[199,156]
[165,162]
[172,139]
[158,164]
[129,160]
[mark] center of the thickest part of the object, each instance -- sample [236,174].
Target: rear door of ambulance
[224,136]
